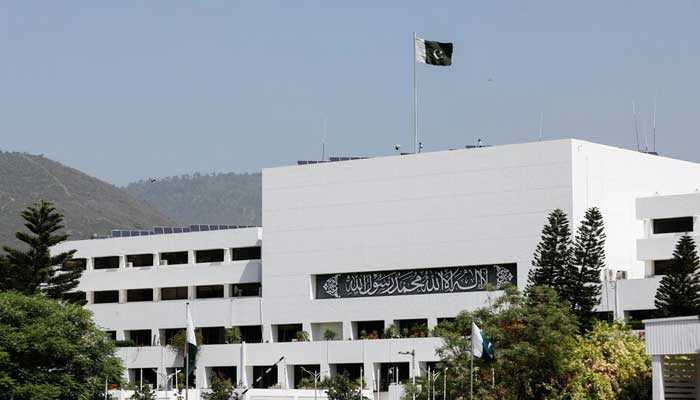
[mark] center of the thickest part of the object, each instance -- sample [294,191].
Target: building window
[210,291]
[225,373]
[76,263]
[106,262]
[245,253]
[209,256]
[352,371]
[143,376]
[305,372]
[174,258]
[173,293]
[139,260]
[673,225]
[105,296]
[112,335]
[139,295]
[663,267]
[369,329]
[413,328]
[251,333]
[213,335]
[288,332]
[169,334]
[392,373]
[141,337]
[267,380]
[246,289]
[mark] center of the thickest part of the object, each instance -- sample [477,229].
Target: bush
[329,334]
[302,336]
[233,335]
[124,343]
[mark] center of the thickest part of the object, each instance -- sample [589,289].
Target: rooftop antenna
[323,140]
[634,114]
[653,131]
[646,135]
[541,121]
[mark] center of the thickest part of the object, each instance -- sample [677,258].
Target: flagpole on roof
[415,99]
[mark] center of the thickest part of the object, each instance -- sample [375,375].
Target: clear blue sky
[126,90]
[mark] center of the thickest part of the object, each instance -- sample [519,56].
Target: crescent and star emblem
[438,53]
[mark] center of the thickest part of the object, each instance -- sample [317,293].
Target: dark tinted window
[106,262]
[112,334]
[174,258]
[370,328]
[392,372]
[173,293]
[141,337]
[76,263]
[663,267]
[211,291]
[225,373]
[245,253]
[139,295]
[288,333]
[169,334]
[140,260]
[214,335]
[251,333]
[246,289]
[673,225]
[208,256]
[106,296]
[267,380]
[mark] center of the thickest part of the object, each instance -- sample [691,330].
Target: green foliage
[302,336]
[52,351]
[221,389]
[341,387]
[679,291]
[178,340]
[233,335]
[329,334]
[391,332]
[418,331]
[552,258]
[34,269]
[124,343]
[144,393]
[610,363]
[583,283]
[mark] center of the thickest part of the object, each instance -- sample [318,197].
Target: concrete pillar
[306,327]
[156,294]
[155,337]
[201,376]
[347,330]
[121,335]
[227,290]
[122,262]
[90,297]
[191,291]
[227,255]
[267,333]
[156,259]
[190,257]
[122,296]
[325,368]
[432,323]
[657,377]
[89,264]
[284,375]
[388,323]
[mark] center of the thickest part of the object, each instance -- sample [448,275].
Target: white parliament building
[356,246]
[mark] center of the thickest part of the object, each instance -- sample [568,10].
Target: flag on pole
[433,53]
[191,343]
[481,347]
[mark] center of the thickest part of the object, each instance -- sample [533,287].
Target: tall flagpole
[187,358]
[415,100]
[471,371]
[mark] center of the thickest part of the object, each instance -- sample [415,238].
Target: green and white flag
[481,347]
[191,343]
[433,53]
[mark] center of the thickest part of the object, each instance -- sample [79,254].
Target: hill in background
[223,198]
[90,206]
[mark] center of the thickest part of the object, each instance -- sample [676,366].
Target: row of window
[170,258]
[179,293]
[672,225]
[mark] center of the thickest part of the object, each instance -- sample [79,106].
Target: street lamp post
[316,376]
[412,353]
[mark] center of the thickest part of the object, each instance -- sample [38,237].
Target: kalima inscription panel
[416,281]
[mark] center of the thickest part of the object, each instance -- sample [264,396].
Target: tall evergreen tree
[34,269]
[582,287]
[552,257]
[679,291]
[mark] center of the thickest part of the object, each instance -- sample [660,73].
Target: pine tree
[582,287]
[35,270]
[679,291]
[552,257]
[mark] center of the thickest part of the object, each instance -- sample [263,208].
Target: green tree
[611,364]
[34,269]
[552,258]
[144,392]
[679,291]
[532,335]
[221,389]
[341,387]
[52,351]
[582,287]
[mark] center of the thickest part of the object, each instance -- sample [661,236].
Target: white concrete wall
[612,179]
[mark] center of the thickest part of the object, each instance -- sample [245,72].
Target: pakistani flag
[433,53]
[481,347]
[191,344]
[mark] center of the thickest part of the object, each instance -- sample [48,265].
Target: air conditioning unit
[130,264]
[621,275]
[163,262]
